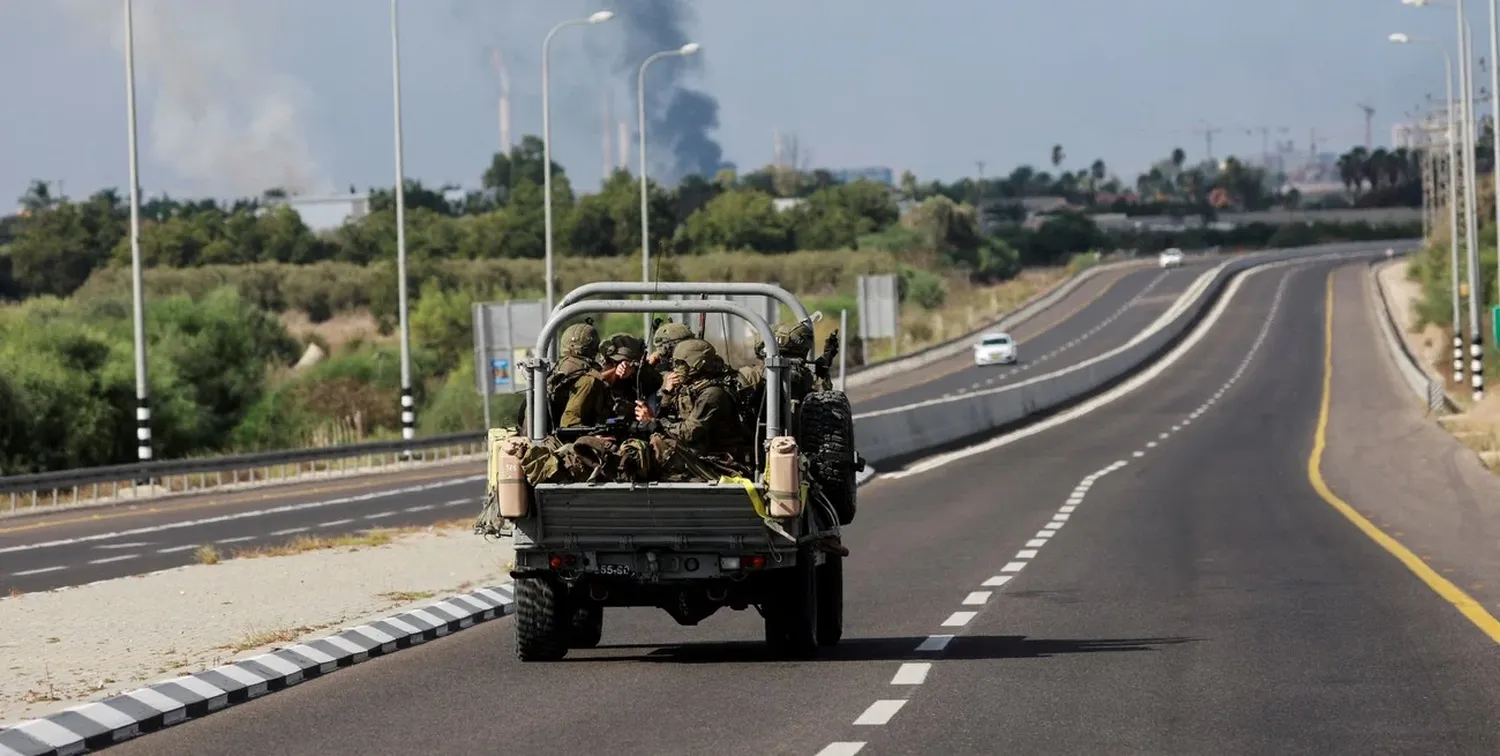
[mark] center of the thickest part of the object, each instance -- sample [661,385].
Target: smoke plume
[219,117]
[681,120]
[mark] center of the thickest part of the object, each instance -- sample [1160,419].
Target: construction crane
[1369,120]
[1265,138]
[1208,131]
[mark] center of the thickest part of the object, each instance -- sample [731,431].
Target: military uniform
[659,362]
[703,437]
[623,393]
[576,395]
[794,341]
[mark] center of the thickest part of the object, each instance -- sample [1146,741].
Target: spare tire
[827,439]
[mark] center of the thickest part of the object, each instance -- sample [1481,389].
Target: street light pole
[1466,97]
[640,95]
[599,17]
[1453,173]
[408,404]
[137,283]
[1476,337]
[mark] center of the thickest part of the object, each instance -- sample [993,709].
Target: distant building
[327,213]
[783,204]
[879,175]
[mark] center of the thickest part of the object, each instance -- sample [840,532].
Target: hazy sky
[237,95]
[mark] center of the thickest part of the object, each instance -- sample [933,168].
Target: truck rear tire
[541,619]
[792,614]
[831,600]
[587,626]
[827,438]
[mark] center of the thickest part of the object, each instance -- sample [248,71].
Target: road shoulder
[1396,466]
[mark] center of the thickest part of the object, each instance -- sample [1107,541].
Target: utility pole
[979,203]
[1208,132]
[1369,120]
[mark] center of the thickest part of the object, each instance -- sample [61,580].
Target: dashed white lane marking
[379,515]
[421,508]
[334,523]
[934,643]
[131,545]
[912,673]
[175,549]
[108,560]
[244,515]
[237,539]
[959,619]
[39,571]
[842,748]
[290,531]
[881,711]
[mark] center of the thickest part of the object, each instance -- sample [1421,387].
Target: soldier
[794,340]
[656,377]
[704,437]
[572,383]
[620,367]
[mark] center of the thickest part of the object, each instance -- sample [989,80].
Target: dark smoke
[681,120]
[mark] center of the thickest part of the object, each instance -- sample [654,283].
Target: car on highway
[995,349]
[1171,258]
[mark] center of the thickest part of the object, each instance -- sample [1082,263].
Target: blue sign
[500,373]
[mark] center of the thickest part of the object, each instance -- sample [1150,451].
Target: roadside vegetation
[264,335]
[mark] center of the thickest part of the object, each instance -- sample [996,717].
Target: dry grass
[304,544]
[207,554]
[337,331]
[406,597]
[266,638]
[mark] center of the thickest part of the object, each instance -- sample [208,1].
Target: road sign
[879,306]
[504,335]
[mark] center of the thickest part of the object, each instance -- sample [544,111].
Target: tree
[1097,171]
[523,163]
[1179,157]
[743,219]
[1057,155]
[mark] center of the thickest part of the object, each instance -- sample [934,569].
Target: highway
[1160,575]
[79,547]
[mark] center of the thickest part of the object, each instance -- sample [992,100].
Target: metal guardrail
[48,491]
[1427,388]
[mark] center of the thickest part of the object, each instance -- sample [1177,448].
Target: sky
[236,96]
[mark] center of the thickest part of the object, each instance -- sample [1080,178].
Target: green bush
[921,287]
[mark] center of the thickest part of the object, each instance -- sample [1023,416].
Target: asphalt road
[75,548]
[1155,577]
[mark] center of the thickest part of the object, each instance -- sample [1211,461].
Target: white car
[1171,258]
[995,349]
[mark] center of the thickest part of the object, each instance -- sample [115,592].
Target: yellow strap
[749,486]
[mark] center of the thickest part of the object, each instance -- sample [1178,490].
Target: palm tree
[1057,155]
[1178,158]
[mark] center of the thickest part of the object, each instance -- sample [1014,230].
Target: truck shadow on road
[874,649]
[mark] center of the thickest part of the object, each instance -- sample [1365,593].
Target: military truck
[689,548]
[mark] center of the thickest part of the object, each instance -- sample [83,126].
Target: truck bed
[629,516]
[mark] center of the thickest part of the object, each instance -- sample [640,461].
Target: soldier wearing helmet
[620,358]
[704,435]
[657,381]
[575,393]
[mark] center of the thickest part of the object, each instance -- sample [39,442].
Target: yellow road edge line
[1463,602]
[246,497]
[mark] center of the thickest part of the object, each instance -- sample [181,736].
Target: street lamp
[1466,99]
[640,92]
[408,404]
[1402,39]
[137,287]
[596,18]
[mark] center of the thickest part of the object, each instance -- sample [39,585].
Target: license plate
[615,569]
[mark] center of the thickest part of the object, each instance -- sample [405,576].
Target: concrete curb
[1428,389]
[102,723]
[1038,303]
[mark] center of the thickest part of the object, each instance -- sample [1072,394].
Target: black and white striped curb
[101,723]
